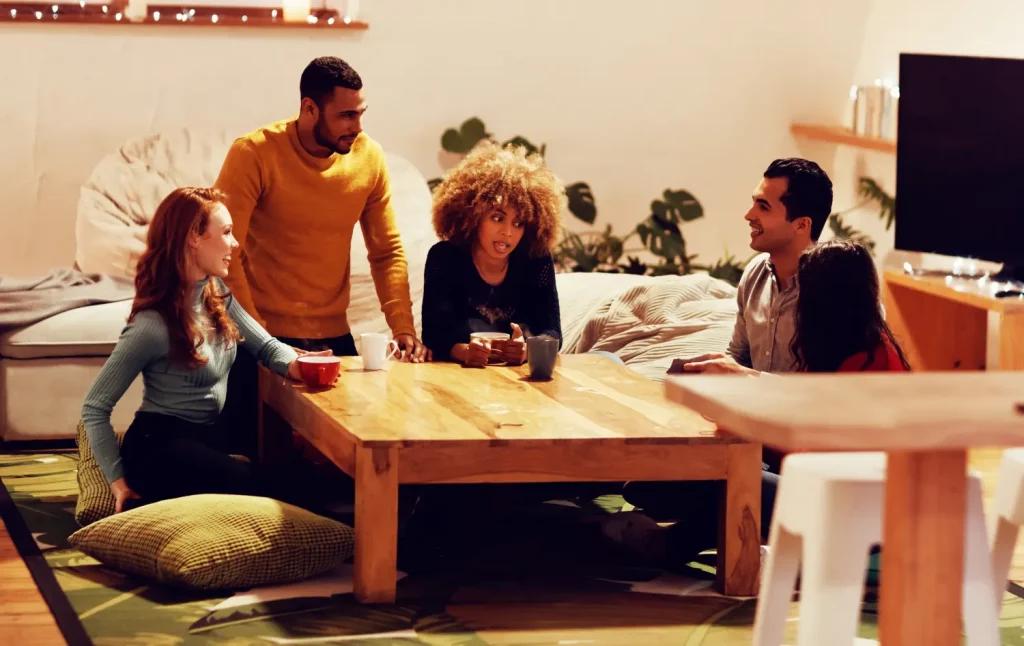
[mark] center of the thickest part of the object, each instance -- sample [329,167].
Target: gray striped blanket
[646,321]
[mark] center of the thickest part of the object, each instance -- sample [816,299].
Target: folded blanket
[27,301]
[653,320]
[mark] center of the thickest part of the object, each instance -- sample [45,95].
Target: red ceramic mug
[319,371]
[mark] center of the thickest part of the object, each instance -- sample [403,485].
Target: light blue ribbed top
[169,387]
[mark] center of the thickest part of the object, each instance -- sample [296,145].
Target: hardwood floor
[25,618]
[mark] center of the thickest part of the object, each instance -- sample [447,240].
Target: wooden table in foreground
[925,422]
[441,423]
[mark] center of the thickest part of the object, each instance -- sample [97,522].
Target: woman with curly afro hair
[498,216]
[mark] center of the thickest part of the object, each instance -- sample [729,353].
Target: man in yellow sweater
[295,190]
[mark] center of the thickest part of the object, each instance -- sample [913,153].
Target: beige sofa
[46,369]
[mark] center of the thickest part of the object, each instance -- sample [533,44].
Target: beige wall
[976,28]
[631,97]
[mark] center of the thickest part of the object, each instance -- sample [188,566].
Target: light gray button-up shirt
[766,319]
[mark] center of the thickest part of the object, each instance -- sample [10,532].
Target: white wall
[975,28]
[630,97]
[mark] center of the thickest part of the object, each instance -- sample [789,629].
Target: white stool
[1009,515]
[828,511]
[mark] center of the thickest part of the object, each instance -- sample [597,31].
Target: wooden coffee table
[442,423]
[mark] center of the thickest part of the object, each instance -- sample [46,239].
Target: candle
[136,10]
[296,10]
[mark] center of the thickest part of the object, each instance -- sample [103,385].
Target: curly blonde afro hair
[493,177]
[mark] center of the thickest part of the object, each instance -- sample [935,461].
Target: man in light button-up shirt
[790,208]
[789,211]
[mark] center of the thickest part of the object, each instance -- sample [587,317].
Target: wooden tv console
[951,324]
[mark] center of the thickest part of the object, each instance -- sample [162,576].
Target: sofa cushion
[90,331]
[218,542]
[41,399]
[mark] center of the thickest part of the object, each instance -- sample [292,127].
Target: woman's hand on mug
[122,492]
[514,350]
[293,367]
[476,352]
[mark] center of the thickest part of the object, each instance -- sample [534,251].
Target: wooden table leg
[739,530]
[923,549]
[274,437]
[376,557]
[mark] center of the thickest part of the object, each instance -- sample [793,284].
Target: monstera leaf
[662,238]
[581,202]
[870,189]
[842,230]
[469,134]
[677,207]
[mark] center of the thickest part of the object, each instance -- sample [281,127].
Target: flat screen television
[960,158]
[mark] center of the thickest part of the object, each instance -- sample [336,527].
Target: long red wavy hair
[161,275]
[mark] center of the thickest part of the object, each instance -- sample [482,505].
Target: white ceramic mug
[375,349]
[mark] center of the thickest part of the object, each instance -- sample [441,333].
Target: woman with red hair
[182,334]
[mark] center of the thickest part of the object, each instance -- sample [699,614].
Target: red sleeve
[885,359]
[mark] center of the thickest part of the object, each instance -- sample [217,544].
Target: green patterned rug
[532,586]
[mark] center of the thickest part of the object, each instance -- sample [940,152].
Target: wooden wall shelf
[840,135]
[169,15]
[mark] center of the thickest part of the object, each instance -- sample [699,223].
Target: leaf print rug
[532,582]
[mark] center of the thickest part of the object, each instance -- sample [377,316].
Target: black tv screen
[960,157]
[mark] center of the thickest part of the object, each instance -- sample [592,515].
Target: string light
[186,15]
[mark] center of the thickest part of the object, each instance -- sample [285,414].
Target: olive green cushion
[95,501]
[218,542]
[94,498]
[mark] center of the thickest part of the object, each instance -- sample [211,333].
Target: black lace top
[457,301]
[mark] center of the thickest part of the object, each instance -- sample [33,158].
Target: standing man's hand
[412,349]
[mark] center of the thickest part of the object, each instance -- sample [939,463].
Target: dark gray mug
[543,355]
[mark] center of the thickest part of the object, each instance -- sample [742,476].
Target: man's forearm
[391,280]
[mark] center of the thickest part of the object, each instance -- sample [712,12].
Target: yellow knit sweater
[294,215]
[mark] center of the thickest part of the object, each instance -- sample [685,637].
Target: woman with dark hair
[839,323]
[183,333]
[497,214]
